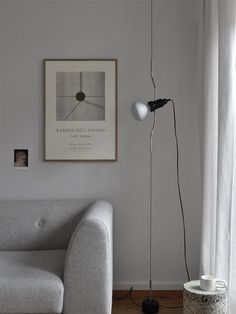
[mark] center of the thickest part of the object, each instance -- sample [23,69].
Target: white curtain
[219,171]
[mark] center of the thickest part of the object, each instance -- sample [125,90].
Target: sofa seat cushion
[31,281]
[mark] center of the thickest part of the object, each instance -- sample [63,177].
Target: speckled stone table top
[197,301]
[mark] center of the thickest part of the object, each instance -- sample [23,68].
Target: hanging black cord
[129,294]
[179,191]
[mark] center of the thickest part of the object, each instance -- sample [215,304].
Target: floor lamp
[140,111]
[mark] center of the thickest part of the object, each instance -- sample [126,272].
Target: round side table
[197,301]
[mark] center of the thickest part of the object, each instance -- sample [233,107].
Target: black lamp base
[150,306]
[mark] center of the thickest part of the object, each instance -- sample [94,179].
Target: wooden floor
[168,298]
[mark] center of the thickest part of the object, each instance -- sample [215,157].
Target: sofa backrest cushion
[38,224]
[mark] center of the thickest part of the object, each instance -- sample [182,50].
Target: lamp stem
[150,153]
[151,305]
[151,202]
[151,51]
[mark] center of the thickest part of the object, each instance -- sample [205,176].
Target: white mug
[210,283]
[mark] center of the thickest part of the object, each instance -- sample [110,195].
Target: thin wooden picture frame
[80,109]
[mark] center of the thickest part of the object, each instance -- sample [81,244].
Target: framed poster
[80,109]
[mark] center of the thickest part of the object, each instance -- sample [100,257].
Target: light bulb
[139,110]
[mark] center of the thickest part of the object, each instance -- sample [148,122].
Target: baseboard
[157,285]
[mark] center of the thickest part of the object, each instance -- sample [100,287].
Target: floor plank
[169,298]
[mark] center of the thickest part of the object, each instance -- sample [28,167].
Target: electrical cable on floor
[125,296]
[130,295]
[171,307]
[134,301]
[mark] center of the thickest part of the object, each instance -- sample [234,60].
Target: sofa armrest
[88,265]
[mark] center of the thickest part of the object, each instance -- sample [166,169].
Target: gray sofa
[55,256]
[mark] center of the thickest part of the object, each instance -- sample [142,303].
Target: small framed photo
[80,109]
[21,159]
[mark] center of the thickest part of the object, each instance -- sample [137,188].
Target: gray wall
[32,30]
